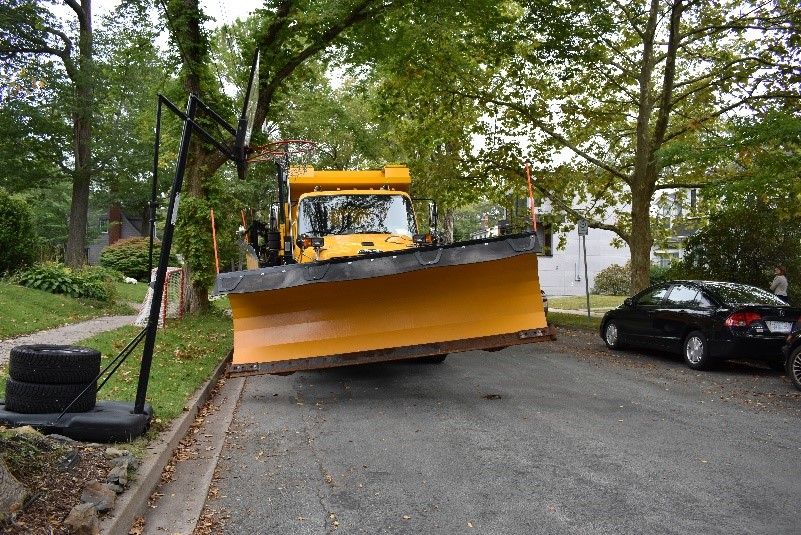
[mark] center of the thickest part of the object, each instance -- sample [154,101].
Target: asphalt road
[558,438]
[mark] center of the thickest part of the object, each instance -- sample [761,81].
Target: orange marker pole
[531,196]
[214,239]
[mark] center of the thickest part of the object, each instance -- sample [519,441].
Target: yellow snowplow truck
[340,275]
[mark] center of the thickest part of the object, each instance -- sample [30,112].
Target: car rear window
[742,294]
[682,296]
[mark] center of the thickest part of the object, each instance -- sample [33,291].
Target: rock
[83,520]
[99,495]
[112,453]
[114,487]
[70,460]
[130,459]
[118,475]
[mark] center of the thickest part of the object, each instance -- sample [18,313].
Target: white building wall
[563,273]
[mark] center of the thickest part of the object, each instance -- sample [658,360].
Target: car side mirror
[628,302]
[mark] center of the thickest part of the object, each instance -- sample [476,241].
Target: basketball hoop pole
[164,258]
[190,126]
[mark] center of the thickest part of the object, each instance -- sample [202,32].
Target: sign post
[583,227]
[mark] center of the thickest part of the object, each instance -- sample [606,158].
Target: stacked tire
[46,379]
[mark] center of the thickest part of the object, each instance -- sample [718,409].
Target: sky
[223,11]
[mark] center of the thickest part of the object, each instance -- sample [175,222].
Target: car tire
[612,335]
[37,398]
[794,367]
[696,351]
[53,364]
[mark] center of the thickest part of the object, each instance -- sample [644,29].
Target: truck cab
[336,224]
[337,214]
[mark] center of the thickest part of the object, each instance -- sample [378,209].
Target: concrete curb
[133,502]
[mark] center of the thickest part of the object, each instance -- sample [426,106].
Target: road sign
[582,227]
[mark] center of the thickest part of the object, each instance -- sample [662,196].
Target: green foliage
[616,279]
[613,280]
[194,240]
[659,274]
[131,257]
[743,243]
[17,240]
[89,282]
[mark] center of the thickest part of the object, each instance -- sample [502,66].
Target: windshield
[322,215]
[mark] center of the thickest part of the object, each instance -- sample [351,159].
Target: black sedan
[704,321]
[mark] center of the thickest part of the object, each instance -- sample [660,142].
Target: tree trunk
[75,253]
[12,492]
[643,179]
[641,240]
[447,224]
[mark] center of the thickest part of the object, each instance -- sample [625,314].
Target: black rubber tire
[612,336]
[794,367]
[36,398]
[695,351]
[53,364]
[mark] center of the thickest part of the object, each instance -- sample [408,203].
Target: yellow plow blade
[394,306]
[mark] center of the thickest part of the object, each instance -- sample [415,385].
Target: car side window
[704,301]
[652,297]
[683,296]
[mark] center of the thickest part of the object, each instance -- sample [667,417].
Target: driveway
[555,437]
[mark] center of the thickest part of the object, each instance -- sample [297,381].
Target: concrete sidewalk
[593,313]
[68,334]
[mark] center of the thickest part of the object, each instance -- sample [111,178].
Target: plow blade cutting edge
[422,302]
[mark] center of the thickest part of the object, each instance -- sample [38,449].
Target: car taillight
[742,319]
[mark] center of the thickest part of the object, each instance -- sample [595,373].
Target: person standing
[779,284]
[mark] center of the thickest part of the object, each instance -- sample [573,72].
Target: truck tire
[54,364]
[434,359]
[37,398]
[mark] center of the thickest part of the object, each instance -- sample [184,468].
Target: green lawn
[185,355]
[598,303]
[25,310]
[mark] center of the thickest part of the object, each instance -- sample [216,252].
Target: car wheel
[696,351]
[794,367]
[612,335]
[53,364]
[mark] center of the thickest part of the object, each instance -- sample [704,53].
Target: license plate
[779,326]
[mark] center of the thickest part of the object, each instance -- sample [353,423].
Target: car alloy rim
[611,334]
[795,369]
[695,350]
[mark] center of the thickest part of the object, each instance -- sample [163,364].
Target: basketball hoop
[280,151]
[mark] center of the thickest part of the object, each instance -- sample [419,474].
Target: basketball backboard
[245,126]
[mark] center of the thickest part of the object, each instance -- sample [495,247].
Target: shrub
[613,280]
[130,257]
[88,283]
[17,239]
[660,274]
